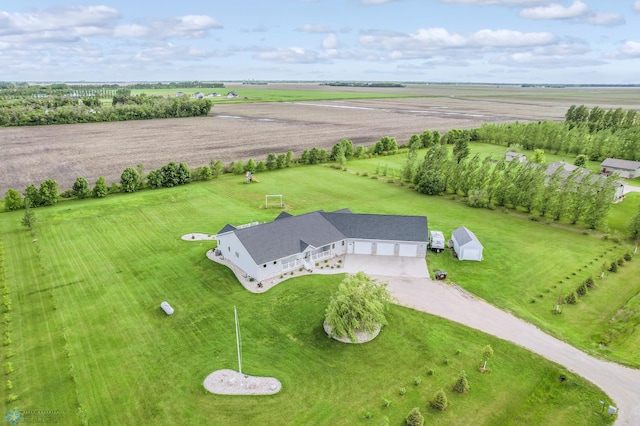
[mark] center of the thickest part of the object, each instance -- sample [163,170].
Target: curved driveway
[622,384]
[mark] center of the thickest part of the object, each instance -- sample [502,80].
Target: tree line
[594,132]
[485,183]
[66,110]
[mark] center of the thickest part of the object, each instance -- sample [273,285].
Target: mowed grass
[86,321]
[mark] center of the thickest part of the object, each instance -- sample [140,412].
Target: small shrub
[386,402]
[589,282]
[8,367]
[368,415]
[621,262]
[414,418]
[12,397]
[402,391]
[627,256]
[440,401]
[613,267]
[417,380]
[458,352]
[582,290]
[571,299]
[9,385]
[446,361]
[430,372]
[533,300]
[462,384]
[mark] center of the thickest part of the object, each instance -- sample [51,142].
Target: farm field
[86,318]
[253,129]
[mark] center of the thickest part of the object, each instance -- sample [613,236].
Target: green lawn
[266,94]
[85,316]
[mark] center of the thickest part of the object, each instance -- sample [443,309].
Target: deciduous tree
[80,188]
[359,304]
[130,180]
[13,200]
[100,189]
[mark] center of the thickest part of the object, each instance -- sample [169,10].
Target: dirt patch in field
[241,131]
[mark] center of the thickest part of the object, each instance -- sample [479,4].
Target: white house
[567,169]
[289,242]
[466,244]
[625,168]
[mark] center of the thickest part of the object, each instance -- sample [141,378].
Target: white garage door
[361,247]
[472,254]
[408,250]
[385,249]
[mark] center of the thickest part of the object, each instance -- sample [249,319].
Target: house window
[333,245]
[229,249]
[237,255]
[342,243]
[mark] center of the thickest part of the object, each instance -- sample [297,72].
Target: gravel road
[622,384]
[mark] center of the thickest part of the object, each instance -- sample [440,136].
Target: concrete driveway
[410,267]
[622,384]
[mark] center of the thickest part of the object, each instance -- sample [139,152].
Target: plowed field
[244,130]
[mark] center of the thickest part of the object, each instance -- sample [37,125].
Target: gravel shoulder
[621,383]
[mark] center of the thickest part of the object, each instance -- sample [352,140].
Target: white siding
[233,250]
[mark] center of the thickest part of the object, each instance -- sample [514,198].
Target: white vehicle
[436,241]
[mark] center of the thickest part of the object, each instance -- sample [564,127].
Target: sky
[481,41]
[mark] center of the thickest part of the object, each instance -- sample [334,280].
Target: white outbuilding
[466,244]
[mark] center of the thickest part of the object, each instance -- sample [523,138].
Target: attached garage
[466,244]
[385,249]
[362,247]
[408,250]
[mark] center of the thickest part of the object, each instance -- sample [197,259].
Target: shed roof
[464,236]
[621,164]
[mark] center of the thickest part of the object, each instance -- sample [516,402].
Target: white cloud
[509,38]
[56,19]
[636,6]
[131,31]
[291,55]
[607,19]
[314,29]
[497,2]
[188,26]
[432,39]
[630,49]
[556,11]
[330,41]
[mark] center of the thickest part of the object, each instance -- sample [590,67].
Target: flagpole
[235,313]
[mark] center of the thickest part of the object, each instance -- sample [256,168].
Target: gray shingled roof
[463,236]
[379,226]
[287,236]
[621,164]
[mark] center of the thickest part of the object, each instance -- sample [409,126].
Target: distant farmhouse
[567,169]
[271,249]
[625,168]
